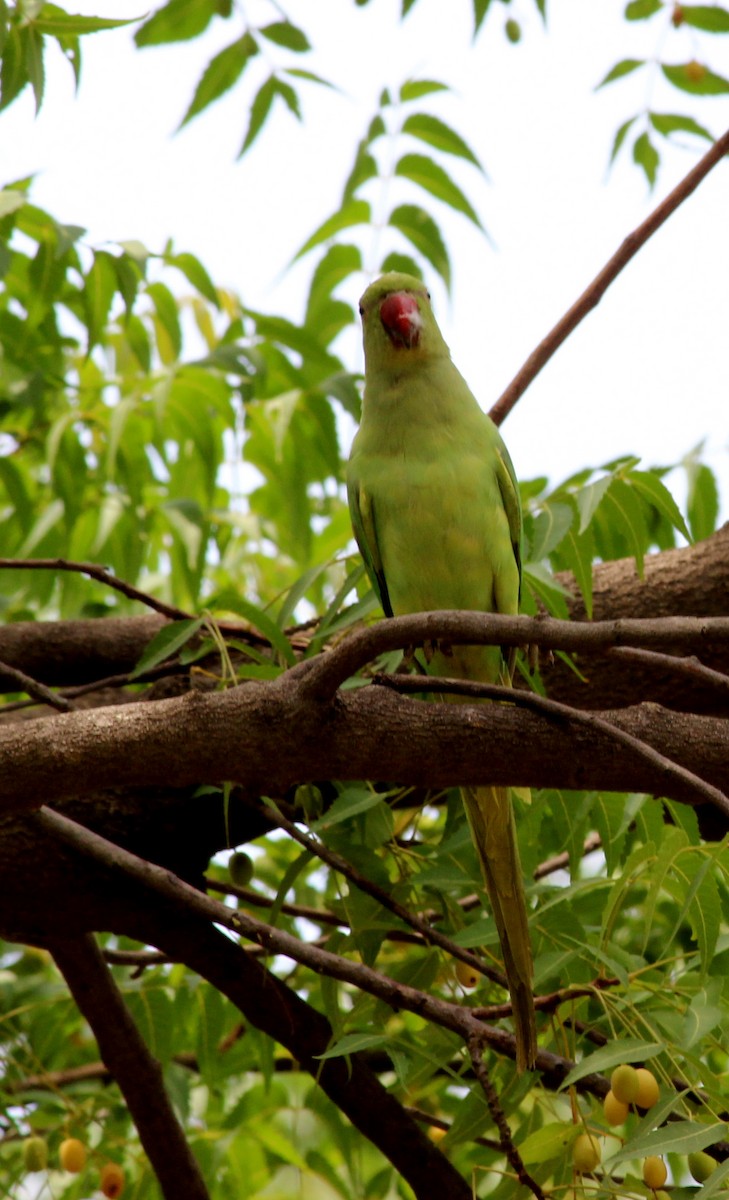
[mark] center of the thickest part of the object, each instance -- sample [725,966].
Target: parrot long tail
[491,817]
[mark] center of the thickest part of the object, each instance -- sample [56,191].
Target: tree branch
[268,738]
[704,792]
[506,1142]
[592,295]
[321,676]
[426,930]
[101,575]
[137,1073]
[179,923]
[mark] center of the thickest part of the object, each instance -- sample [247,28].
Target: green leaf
[165,307]
[195,273]
[432,178]
[703,501]
[548,529]
[99,288]
[550,1142]
[10,201]
[54,20]
[422,231]
[620,138]
[676,1137]
[414,89]
[696,79]
[13,73]
[283,33]
[33,53]
[337,264]
[589,498]
[349,803]
[221,73]
[646,156]
[232,602]
[710,17]
[578,552]
[640,10]
[652,489]
[624,67]
[623,1050]
[622,503]
[178,21]
[351,1043]
[480,8]
[667,123]
[354,212]
[260,108]
[436,133]
[704,910]
[166,643]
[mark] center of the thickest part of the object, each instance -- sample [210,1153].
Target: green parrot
[436,513]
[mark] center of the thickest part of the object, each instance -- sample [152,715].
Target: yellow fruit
[435,1133]
[467,976]
[112,1180]
[240,866]
[701,1164]
[624,1084]
[35,1154]
[72,1155]
[615,1111]
[655,1172]
[647,1088]
[586,1152]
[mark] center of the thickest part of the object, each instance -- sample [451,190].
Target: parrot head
[397,320]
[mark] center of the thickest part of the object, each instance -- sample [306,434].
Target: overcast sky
[647,373]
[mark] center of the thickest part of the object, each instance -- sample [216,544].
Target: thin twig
[506,1141]
[424,928]
[433,1122]
[690,666]
[320,677]
[596,290]
[319,916]
[34,688]
[563,712]
[558,862]
[102,575]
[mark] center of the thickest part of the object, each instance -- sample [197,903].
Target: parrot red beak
[401,319]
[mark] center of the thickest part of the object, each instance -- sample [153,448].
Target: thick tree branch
[137,1073]
[266,737]
[596,290]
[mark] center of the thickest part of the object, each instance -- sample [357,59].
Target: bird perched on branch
[436,513]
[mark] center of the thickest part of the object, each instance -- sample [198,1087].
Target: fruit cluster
[72,1156]
[634,1086]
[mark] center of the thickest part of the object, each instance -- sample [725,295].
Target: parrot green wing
[362,512]
[511,500]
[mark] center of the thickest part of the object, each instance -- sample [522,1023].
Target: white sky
[647,372]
